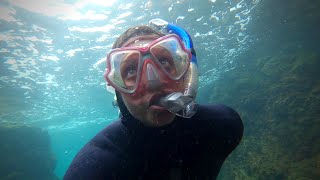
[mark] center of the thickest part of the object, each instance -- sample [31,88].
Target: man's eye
[164,62]
[131,71]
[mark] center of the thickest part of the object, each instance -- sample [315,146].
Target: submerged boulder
[25,154]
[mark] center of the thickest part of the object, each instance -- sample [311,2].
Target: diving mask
[167,53]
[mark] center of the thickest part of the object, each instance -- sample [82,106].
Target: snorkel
[181,104]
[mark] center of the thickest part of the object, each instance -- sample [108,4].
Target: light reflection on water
[52,53]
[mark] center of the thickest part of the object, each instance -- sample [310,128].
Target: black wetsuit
[187,149]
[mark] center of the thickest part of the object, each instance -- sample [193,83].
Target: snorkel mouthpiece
[179,104]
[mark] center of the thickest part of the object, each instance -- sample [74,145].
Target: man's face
[141,105]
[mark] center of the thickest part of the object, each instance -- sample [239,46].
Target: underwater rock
[25,154]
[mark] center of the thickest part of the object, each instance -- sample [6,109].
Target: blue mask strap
[163,25]
[185,37]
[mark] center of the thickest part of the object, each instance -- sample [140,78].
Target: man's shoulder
[101,156]
[218,114]
[216,111]
[112,137]
[222,122]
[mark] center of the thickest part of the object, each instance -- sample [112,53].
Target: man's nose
[152,77]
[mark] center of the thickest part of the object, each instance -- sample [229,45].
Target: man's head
[148,67]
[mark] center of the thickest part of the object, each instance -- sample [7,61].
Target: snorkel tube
[181,104]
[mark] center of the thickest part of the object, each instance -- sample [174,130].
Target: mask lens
[124,69]
[171,57]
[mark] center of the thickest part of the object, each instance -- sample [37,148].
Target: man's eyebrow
[128,56]
[131,54]
[162,50]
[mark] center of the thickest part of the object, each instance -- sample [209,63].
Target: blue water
[52,55]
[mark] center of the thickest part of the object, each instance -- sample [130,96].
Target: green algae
[278,98]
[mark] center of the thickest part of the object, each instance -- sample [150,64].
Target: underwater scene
[260,57]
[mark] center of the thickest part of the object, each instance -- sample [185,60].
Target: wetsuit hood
[123,109]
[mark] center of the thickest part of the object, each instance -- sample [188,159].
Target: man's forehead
[140,41]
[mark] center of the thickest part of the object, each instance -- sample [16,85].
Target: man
[162,133]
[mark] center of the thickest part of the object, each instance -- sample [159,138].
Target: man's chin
[163,118]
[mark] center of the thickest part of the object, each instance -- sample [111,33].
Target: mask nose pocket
[152,77]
